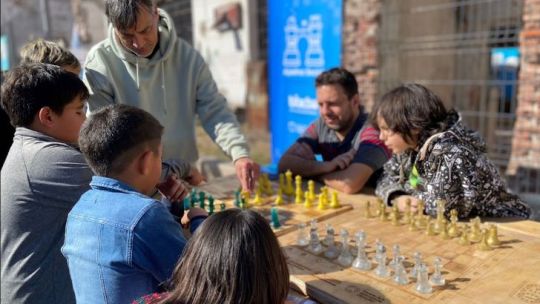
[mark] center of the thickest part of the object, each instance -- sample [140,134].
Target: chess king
[350,147]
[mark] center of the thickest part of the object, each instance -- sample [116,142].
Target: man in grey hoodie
[145,64]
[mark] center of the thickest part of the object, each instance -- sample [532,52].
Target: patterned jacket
[452,165]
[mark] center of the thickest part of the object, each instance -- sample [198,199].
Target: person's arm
[394,179]
[300,159]
[350,180]
[101,90]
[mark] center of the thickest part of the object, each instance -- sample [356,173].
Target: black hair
[234,257]
[341,77]
[111,137]
[30,87]
[123,14]
[412,108]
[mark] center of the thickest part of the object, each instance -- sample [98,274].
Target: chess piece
[483,245]
[324,191]
[257,199]
[417,261]
[361,262]
[367,209]
[345,257]
[400,274]
[381,270]
[308,203]
[429,229]
[412,224]
[464,239]
[475,235]
[395,255]
[301,239]
[282,183]
[383,216]
[202,197]
[289,190]
[329,239]
[334,203]
[321,205]
[311,189]
[291,54]
[279,197]
[453,230]
[422,281]
[436,278]
[443,231]
[331,252]
[407,218]
[314,243]
[210,205]
[193,198]
[394,215]
[440,216]
[493,239]
[298,183]
[267,186]
[275,218]
[222,207]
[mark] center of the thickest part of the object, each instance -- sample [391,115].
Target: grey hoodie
[174,85]
[452,165]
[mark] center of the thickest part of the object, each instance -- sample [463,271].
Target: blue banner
[4,53]
[304,40]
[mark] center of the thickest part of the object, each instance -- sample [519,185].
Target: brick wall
[526,141]
[360,27]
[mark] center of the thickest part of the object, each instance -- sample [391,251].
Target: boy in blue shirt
[120,243]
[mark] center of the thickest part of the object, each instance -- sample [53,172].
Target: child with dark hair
[233,258]
[120,243]
[43,176]
[437,158]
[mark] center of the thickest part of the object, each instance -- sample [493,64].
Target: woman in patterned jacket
[437,157]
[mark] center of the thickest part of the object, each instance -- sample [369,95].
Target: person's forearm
[350,180]
[303,167]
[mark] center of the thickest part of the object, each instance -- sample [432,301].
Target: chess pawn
[222,207]
[493,239]
[301,239]
[412,224]
[282,183]
[345,257]
[440,215]
[436,278]
[210,205]
[381,270]
[400,274]
[444,232]
[324,191]
[288,183]
[314,243]
[308,203]
[407,214]
[429,229]
[422,281]
[383,216]
[367,208]
[475,234]
[279,197]
[311,189]
[298,183]
[394,215]
[360,238]
[321,205]
[299,197]
[334,203]
[395,256]
[274,216]
[329,239]
[361,262]
[453,230]
[417,261]
[464,239]
[483,245]
[332,251]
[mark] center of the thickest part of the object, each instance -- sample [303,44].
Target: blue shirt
[120,244]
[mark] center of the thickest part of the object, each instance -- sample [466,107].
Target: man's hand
[173,189]
[195,177]
[342,161]
[401,202]
[191,213]
[247,172]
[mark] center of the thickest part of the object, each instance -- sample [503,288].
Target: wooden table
[510,273]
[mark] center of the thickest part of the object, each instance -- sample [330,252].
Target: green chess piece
[193,198]
[202,197]
[222,206]
[210,205]
[186,203]
[274,216]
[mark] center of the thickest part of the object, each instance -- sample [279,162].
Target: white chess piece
[331,252]
[400,274]
[436,278]
[381,270]
[301,239]
[422,281]
[345,257]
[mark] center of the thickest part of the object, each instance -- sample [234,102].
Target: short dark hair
[48,52]
[412,107]
[123,14]
[30,87]
[111,137]
[234,257]
[341,77]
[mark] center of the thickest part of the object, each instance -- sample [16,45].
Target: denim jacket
[120,244]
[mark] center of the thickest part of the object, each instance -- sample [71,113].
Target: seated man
[350,147]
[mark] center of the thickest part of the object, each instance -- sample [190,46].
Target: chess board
[505,274]
[290,214]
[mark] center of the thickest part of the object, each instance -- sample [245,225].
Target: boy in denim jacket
[120,243]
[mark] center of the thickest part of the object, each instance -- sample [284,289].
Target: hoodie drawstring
[137,65]
[163,86]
